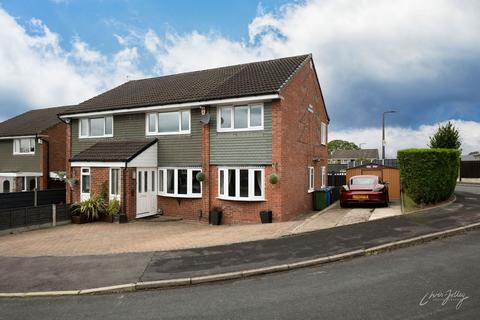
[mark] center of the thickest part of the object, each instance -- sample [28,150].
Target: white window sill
[241,199]
[311,190]
[24,154]
[168,133]
[96,137]
[239,130]
[185,196]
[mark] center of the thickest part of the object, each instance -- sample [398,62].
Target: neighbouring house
[147,141]
[472,156]
[347,156]
[32,150]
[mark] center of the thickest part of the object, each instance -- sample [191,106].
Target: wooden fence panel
[32,216]
[470,169]
[27,198]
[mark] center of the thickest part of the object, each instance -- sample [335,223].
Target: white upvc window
[311,179]
[115,183]
[29,183]
[101,127]
[324,133]
[166,123]
[24,146]
[240,118]
[85,183]
[179,182]
[241,184]
[323,177]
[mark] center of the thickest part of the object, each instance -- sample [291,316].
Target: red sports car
[364,189]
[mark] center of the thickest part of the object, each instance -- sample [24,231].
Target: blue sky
[370,56]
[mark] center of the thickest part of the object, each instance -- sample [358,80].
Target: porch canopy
[118,153]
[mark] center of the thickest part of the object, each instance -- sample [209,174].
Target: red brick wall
[296,141]
[57,140]
[131,196]
[189,209]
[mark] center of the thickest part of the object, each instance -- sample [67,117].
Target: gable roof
[355,154]
[31,122]
[249,79]
[114,151]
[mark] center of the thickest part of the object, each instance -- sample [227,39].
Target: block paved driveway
[140,236]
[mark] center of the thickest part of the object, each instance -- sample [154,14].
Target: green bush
[429,175]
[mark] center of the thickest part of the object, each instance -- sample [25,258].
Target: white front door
[146,192]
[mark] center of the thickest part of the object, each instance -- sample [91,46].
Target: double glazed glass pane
[25,146]
[182,181]
[114,188]
[195,183]
[170,181]
[185,120]
[222,182]
[241,117]
[258,183]
[85,184]
[108,125]
[160,181]
[168,122]
[226,117]
[97,127]
[255,116]
[231,182]
[152,122]
[244,183]
[84,127]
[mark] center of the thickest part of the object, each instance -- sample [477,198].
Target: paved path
[386,286]
[142,236]
[82,272]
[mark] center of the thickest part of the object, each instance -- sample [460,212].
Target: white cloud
[402,138]
[38,72]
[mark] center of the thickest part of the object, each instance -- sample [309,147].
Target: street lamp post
[383,131]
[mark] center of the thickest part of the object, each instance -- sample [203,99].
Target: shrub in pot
[91,208]
[112,211]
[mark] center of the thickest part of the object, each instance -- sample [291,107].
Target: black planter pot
[266,216]
[122,218]
[215,217]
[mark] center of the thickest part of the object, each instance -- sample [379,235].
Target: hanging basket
[200,177]
[273,178]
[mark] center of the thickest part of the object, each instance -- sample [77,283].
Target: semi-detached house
[32,150]
[146,141]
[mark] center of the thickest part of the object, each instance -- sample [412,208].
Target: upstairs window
[24,146]
[96,127]
[240,118]
[163,123]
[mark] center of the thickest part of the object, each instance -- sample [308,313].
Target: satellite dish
[205,119]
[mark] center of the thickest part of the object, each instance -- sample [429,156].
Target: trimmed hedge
[429,175]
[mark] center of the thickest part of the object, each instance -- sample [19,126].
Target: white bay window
[242,184]
[172,122]
[240,118]
[179,182]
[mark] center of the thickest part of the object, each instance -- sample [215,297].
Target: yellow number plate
[360,196]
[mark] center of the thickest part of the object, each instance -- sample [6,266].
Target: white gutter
[17,137]
[175,106]
[21,174]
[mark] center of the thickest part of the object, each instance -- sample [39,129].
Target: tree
[447,137]
[341,145]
